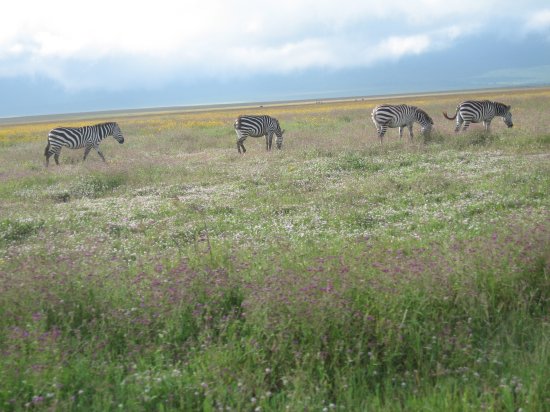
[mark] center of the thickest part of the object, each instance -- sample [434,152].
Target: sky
[67,56]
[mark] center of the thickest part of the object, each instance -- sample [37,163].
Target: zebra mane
[106,124]
[105,129]
[501,107]
[424,114]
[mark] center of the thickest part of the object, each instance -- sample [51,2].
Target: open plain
[336,274]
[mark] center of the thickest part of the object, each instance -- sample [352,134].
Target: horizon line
[205,107]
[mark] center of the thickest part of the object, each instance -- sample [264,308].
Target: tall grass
[337,274]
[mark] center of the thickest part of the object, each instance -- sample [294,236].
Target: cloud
[123,43]
[539,21]
[397,46]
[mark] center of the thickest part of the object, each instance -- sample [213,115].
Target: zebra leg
[466,125]
[86,151]
[487,124]
[240,141]
[56,158]
[240,145]
[101,155]
[400,132]
[458,124]
[47,154]
[410,132]
[269,137]
[383,130]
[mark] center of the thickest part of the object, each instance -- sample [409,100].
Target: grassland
[336,274]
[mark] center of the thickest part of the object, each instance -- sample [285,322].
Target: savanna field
[337,274]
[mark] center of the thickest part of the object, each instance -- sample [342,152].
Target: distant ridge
[106,114]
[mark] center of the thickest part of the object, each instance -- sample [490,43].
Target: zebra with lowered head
[474,111]
[257,126]
[77,137]
[401,115]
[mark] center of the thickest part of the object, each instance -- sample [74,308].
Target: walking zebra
[257,126]
[387,115]
[472,111]
[78,137]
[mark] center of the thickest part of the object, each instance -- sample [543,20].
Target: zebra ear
[508,108]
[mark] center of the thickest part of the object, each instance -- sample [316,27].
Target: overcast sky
[70,56]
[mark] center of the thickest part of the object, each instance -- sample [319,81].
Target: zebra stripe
[78,137]
[473,111]
[257,126]
[387,115]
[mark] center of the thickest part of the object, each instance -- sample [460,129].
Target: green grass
[336,274]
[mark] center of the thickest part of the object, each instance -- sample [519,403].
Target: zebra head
[425,121]
[279,134]
[117,133]
[507,117]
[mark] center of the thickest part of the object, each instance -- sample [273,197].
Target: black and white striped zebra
[474,111]
[401,115]
[77,137]
[257,126]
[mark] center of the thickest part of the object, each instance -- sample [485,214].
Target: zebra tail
[448,117]
[47,149]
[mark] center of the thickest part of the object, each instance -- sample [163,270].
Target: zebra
[77,137]
[257,126]
[387,115]
[474,111]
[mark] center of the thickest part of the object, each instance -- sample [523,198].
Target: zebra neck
[500,109]
[104,130]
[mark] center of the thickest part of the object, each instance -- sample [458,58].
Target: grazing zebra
[257,126]
[78,137]
[472,111]
[387,115]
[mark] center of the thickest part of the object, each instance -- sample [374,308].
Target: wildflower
[37,399]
